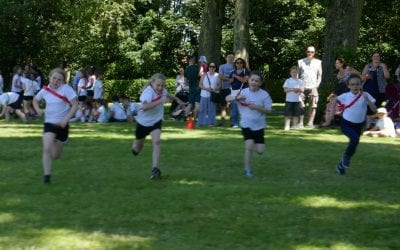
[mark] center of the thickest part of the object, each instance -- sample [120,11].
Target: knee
[156,143]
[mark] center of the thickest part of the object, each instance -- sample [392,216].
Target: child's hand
[240,98]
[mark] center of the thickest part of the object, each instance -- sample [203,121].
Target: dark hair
[353,76]
[241,59]
[342,61]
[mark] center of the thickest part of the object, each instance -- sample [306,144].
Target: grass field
[101,197]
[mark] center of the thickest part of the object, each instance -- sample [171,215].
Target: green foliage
[131,88]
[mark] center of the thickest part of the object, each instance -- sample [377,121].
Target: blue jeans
[234,114]
[353,132]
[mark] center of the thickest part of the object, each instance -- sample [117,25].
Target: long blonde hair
[156,76]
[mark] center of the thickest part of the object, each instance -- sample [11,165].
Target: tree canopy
[130,39]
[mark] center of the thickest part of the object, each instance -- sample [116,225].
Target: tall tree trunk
[241,30]
[341,34]
[211,30]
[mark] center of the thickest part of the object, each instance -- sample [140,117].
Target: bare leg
[155,138]
[287,123]
[311,116]
[48,145]
[21,115]
[137,145]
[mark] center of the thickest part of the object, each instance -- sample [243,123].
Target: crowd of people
[201,90]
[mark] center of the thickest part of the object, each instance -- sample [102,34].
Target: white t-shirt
[151,116]
[250,118]
[98,89]
[29,86]
[56,108]
[357,112]
[387,125]
[118,111]
[133,108]
[16,81]
[310,72]
[103,116]
[82,87]
[293,83]
[209,82]
[8,98]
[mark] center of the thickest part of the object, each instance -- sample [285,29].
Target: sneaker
[340,169]
[47,179]
[346,161]
[286,128]
[235,126]
[155,174]
[310,126]
[248,173]
[300,126]
[134,152]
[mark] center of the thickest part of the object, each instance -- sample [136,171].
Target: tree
[241,30]
[341,34]
[211,28]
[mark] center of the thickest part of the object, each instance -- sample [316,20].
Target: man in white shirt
[311,75]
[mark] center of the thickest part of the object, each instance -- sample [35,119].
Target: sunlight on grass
[326,201]
[336,246]
[69,239]
[6,217]
[190,183]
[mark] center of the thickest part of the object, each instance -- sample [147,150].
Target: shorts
[82,98]
[90,93]
[28,98]
[15,105]
[224,93]
[257,135]
[292,109]
[61,133]
[142,131]
[194,96]
[311,97]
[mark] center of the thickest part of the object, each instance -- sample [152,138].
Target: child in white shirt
[293,87]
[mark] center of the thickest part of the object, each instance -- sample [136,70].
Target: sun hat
[381,111]
[203,59]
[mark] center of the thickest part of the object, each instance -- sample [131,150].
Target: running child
[61,106]
[354,103]
[149,119]
[253,103]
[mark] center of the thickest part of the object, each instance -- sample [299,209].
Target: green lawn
[101,197]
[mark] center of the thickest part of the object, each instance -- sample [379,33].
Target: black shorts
[142,131]
[292,109]
[257,135]
[90,93]
[224,93]
[82,98]
[15,105]
[28,98]
[61,133]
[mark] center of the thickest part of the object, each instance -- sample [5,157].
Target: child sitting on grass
[384,127]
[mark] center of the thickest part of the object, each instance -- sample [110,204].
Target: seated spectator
[99,112]
[332,109]
[118,113]
[384,127]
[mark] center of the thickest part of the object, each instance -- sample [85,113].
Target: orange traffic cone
[190,123]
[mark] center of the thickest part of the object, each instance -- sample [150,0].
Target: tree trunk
[211,30]
[241,30]
[341,34]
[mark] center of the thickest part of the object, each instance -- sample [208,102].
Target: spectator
[293,87]
[209,82]
[224,72]
[192,76]
[311,75]
[384,127]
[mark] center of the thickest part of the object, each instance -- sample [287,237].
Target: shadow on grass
[101,196]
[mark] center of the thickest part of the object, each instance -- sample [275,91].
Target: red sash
[51,91]
[240,102]
[342,107]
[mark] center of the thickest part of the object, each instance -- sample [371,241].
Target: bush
[131,88]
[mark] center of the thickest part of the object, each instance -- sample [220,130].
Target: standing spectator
[75,82]
[29,86]
[293,87]
[224,72]
[82,87]
[238,79]
[61,105]
[209,82]
[16,84]
[374,76]
[311,75]
[98,87]
[355,108]
[192,76]
[254,104]
[149,119]
[91,79]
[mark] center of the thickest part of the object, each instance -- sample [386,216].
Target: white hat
[381,111]
[203,59]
